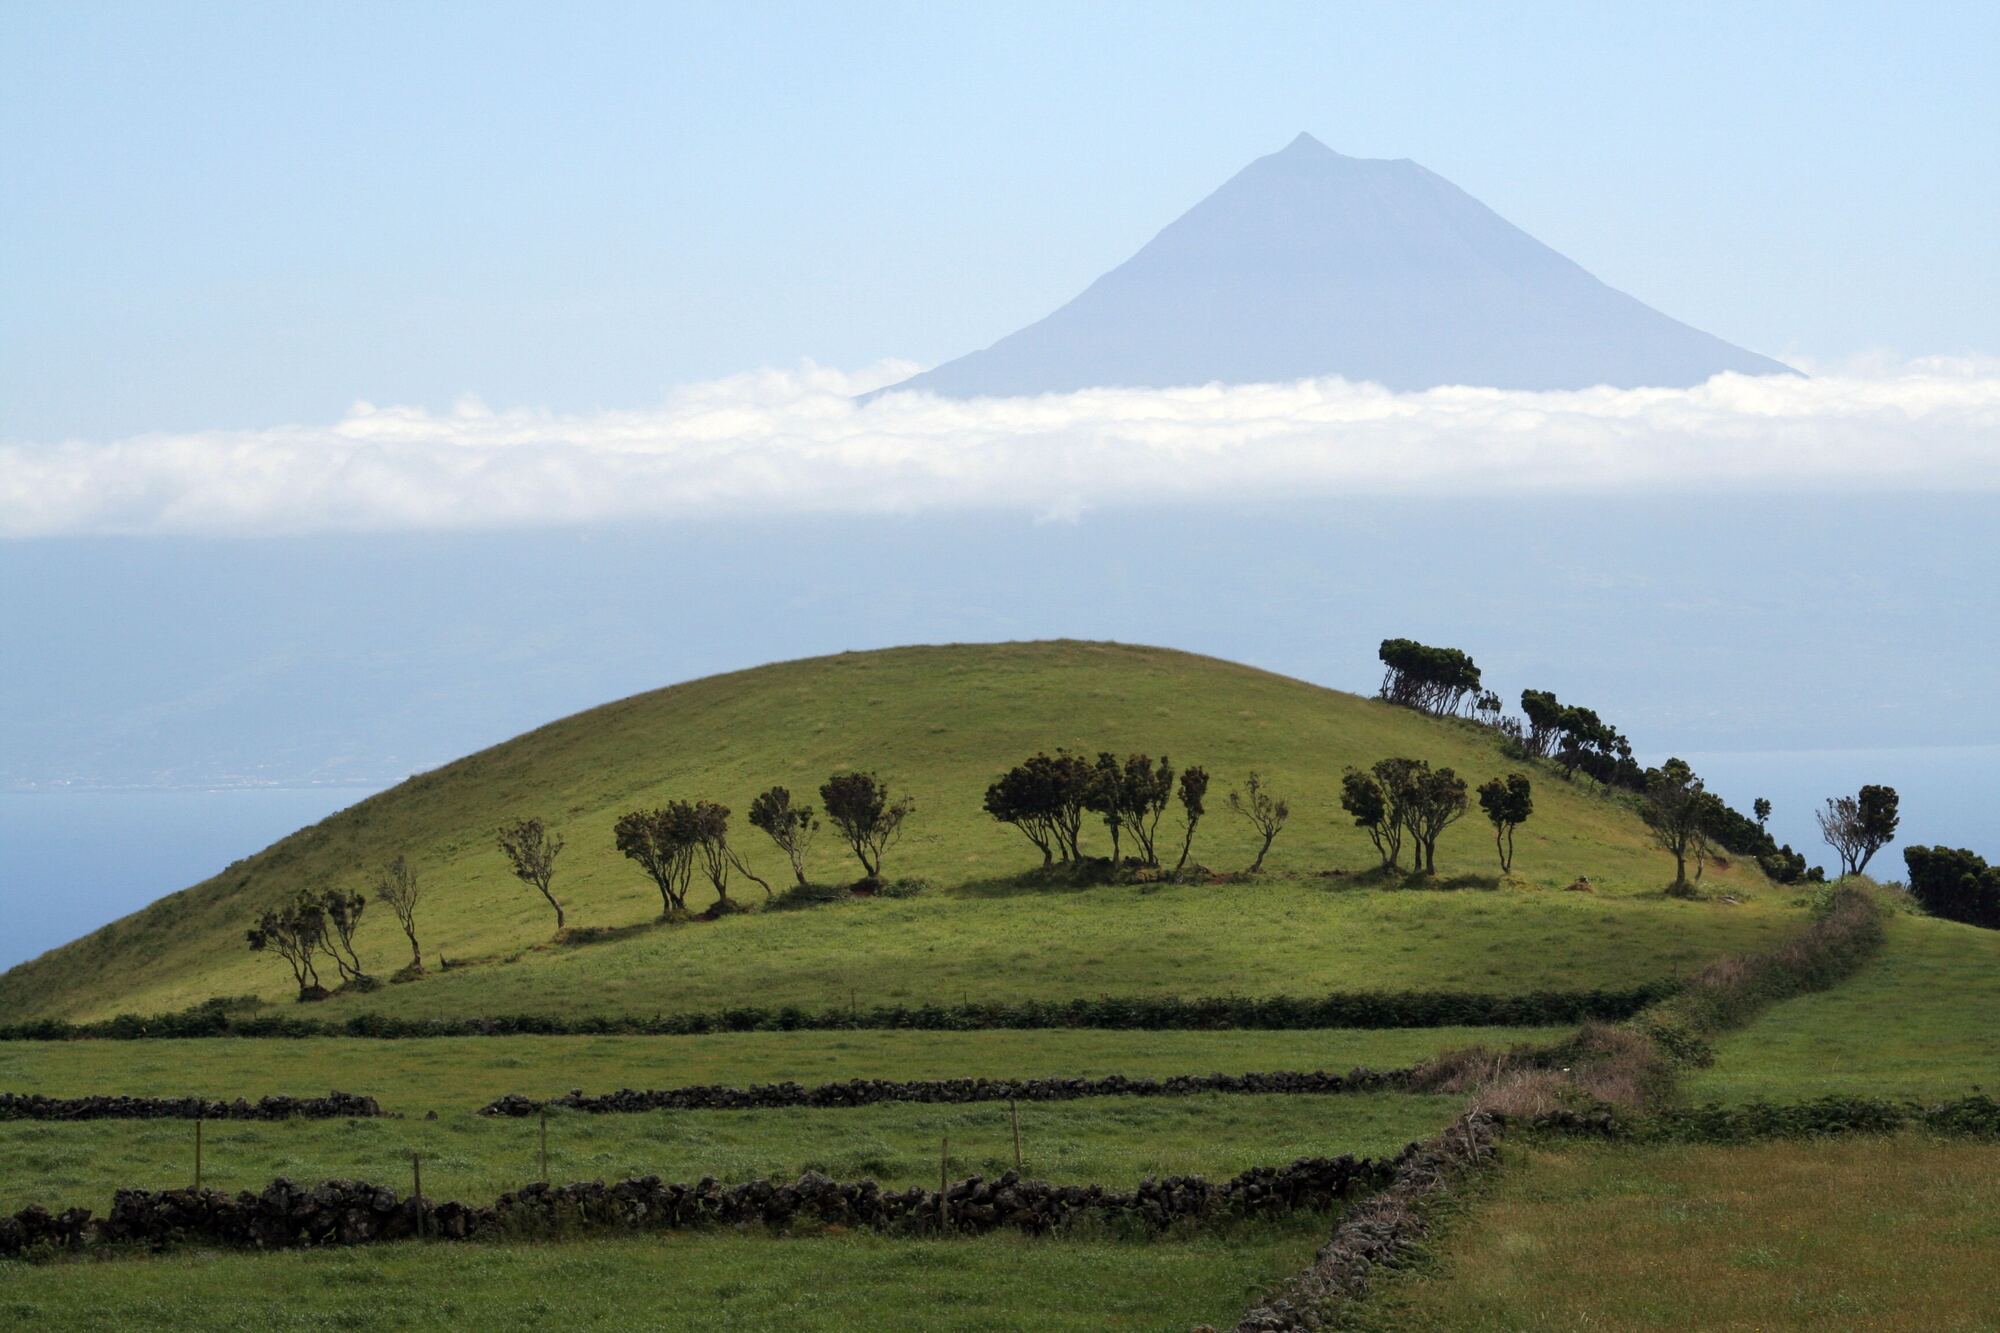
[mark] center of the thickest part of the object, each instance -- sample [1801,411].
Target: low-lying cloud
[795,442]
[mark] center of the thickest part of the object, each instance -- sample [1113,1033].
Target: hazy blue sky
[222,216]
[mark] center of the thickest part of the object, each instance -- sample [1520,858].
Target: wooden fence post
[417,1185]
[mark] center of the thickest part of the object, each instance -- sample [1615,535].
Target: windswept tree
[1044,797]
[1362,797]
[531,852]
[661,843]
[343,919]
[1676,808]
[1148,790]
[859,807]
[1436,680]
[1544,713]
[1437,802]
[1021,797]
[1106,798]
[713,852]
[1507,802]
[1263,811]
[293,931]
[1859,826]
[788,825]
[1193,796]
[1401,782]
[1761,808]
[397,889]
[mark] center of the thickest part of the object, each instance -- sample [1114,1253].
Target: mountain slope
[1308,263]
[939,723]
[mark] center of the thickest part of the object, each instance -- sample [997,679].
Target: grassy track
[464,1073]
[939,723]
[991,1285]
[1110,1140]
[1921,1020]
[1856,1234]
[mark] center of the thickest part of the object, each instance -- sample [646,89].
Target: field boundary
[345,1212]
[1577,1086]
[950,1091]
[333,1106]
[1351,1009]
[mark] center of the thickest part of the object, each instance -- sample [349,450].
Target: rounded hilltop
[937,724]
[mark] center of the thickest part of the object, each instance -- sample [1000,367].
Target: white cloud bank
[795,442]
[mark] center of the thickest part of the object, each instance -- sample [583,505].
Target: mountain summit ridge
[1310,263]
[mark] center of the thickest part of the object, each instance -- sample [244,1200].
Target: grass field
[938,723]
[991,1285]
[1114,1141]
[1921,1020]
[1276,938]
[464,1073]
[1853,1234]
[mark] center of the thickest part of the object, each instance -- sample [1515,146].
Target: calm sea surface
[73,860]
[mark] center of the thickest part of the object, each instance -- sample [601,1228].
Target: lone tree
[661,841]
[788,825]
[531,852]
[396,888]
[1859,826]
[1437,801]
[1507,802]
[293,932]
[860,809]
[1676,809]
[1264,812]
[1193,796]
[343,918]
[1362,796]
[1762,809]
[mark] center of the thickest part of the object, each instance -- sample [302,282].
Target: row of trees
[1576,739]
[1048,797]
[1955,884]
[320,925]
[673,843]
[1687,821]
[1403,800]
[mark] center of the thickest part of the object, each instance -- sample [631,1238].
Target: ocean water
[71,860]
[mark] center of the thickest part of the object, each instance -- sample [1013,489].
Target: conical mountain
[1309,263]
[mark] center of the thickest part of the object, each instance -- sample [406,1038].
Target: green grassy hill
[938,723]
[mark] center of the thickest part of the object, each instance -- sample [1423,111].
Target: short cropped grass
[1921,1020]
[756,1284]
[1853,1234]
[939,724]
[464,1073]
[1277,938]
[1110,1140]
